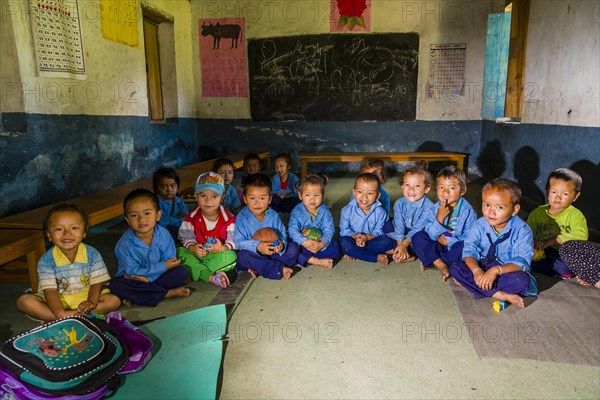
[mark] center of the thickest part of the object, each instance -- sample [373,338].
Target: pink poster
[350,15]
[223,57]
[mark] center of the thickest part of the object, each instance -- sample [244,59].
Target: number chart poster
[58,39]
[350,15]
[447,69]
[223,57]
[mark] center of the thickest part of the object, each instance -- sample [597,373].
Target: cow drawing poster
[223,57]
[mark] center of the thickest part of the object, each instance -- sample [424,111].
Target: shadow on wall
[491,161]
[588,202]
[432,146]
[526,170]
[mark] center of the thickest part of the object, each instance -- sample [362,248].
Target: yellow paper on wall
[120,21]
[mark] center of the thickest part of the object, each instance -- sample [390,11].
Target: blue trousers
[388,226]
[148,294]
[515,282]
[268,266]
[284,205]
[331,251]
[551,264]
[428,250]
[374,247]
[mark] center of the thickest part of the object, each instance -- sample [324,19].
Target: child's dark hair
[258,180]
[507,185]
[567,175]
[164,172]
[285,156]
[219,162]
[452,171]
[66,207]
[137,194]
[376,163]
[368,177]
[417,169]
[312,179]
[252,156]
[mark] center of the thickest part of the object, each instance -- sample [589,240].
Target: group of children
[492,256]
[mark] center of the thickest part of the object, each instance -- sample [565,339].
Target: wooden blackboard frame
[334,77]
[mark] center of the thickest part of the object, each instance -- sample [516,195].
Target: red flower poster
[223,57]
[350,15]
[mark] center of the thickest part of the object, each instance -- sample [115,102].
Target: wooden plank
[461,159]
[18,243]
[515,79]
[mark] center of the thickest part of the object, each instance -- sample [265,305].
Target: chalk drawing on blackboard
[218,31]
[334,77]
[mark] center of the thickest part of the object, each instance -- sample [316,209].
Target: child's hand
[360,239]
[486,280]
[172,263]
[265,248]
[85,307]
[444,211]
[216,247]
[400,253]
[443,241]
[311,245]
[198,250]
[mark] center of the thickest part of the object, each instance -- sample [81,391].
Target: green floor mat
[186,357]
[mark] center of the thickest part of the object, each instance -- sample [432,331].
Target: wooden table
[16,243]
[461,159]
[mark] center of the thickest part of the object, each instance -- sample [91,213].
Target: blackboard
[334,77]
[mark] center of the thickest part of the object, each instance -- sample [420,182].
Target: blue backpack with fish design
[69,356]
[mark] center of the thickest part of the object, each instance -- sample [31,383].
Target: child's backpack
[69,356]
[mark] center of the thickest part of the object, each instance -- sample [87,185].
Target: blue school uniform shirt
[409,218]
[170,211]
[137,258]
[246,224]
[517,248]
[455,227]
[384,199]
[353,219]
[292,182]
[231,200]
[301,219]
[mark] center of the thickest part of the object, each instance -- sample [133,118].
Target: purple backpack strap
[136,341]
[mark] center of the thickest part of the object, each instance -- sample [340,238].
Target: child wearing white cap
[207,235]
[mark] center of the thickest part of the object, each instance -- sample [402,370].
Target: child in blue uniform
[498,249]
[148,270]
[361,223]
[441,242]
[312,213]
[165,183]
[284,185]
[262,257]
[71,274]
[231,200]
[410,211]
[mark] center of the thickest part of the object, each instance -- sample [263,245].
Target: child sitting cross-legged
[148,270]
[71,274]
[207,235]
[498,249]
[441,242]
[410,211]
[311,225]
[361,223]
[267,258]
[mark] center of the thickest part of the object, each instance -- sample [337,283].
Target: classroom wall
[448,123]
[82,136]
[561,111]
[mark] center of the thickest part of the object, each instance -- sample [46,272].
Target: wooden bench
[461,159]
[17,243]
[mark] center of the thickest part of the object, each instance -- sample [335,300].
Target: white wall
[116,73]
[562,71]
[436,22]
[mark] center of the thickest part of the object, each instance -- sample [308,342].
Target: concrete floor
[359,330]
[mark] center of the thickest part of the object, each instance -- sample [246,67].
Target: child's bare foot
[511,298]
[421,266]
[287,272]
[348,258]
[321,262]
[179,292]
[253,273]
[439,264]
[409,259]
[582,282]
[457,283]
[383,258]
[127,303]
